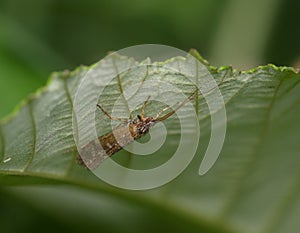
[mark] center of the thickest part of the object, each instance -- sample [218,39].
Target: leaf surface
[253,187]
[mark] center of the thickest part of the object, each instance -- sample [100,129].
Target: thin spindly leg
[175,109]
[218,85]
[184,102]
[144,106]
[161,111]
[111,117]
[141,84]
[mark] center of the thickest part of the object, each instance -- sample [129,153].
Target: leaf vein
[283,207]
[69,98]
[34,133]
[121,88]
[248,167]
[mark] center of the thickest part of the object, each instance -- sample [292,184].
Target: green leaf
[253,187]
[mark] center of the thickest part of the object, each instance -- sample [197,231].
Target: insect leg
[185,102]
[172,112]
[144,106]
[161,111]
[111,117]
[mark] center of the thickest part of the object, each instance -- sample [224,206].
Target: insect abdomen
[111,143]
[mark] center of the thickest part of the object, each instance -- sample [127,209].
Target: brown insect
[122,135]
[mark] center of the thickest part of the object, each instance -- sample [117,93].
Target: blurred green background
[38,37]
